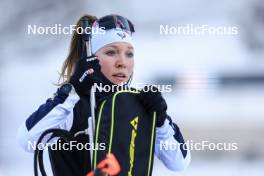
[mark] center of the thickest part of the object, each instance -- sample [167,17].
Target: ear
[97,57]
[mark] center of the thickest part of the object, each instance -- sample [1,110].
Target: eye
[110,52]
[130,54]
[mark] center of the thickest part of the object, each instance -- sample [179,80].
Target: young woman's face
[117,61]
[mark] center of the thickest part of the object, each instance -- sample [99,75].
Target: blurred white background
[218,80]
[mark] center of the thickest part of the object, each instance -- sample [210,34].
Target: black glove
[152,100]
[88,72]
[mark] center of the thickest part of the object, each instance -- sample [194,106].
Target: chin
[119,83]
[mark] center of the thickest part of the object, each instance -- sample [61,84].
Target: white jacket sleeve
[169,147]
[55,113]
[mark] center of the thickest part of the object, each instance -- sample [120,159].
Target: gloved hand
[152,100]
[88,72]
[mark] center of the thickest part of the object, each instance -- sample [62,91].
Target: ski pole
[86,36]
[87,52]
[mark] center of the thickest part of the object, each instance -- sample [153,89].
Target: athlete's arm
[57,112]
[169,146]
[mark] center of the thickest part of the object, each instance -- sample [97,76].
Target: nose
[121,61]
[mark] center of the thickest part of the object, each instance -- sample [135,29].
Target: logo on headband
[122,35]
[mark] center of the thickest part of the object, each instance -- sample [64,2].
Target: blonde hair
[73,56]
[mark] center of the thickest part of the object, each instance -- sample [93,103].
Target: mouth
[120,76]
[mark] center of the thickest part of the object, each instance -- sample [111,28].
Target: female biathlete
[112,63]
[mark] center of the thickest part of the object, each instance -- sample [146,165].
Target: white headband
[100,39]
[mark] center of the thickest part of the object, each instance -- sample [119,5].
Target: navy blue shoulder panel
[178,136]
[59,97]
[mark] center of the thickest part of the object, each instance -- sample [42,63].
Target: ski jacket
[67,110]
